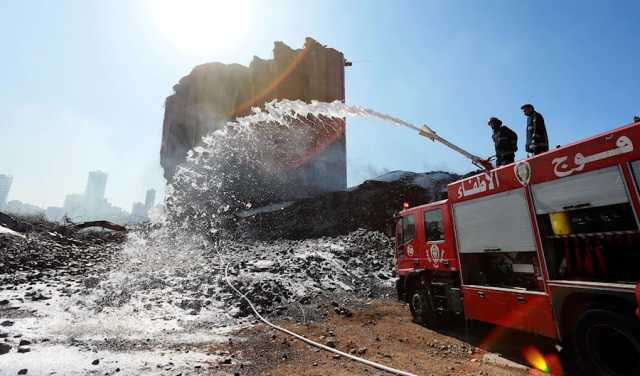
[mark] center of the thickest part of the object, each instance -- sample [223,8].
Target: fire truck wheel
[606,344]
[421,309]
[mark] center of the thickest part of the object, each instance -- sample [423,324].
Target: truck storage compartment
[600,237]
[502,269]
[496,242]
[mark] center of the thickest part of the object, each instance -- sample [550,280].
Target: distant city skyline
[96,184]
[93,204]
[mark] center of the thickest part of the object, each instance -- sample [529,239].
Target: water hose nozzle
[427,132]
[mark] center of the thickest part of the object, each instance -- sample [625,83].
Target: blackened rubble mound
[47,246]
[371,205]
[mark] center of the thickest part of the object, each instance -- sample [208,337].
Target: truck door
[406,251]
[436,249]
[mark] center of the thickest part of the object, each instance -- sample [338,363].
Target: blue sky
[84,81]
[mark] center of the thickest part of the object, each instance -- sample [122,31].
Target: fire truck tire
[421,309]
[606,343]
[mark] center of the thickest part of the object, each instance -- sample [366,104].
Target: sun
[201,26]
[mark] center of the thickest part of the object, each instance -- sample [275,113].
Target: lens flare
[535,358]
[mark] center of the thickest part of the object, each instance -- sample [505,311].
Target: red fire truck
[548,245]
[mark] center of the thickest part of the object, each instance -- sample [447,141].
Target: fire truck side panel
[523,311]
[503,282]
[602,171]
[484,305]
[599,258]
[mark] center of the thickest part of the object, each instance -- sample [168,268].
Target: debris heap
[37,247]
[370,205]
[275,274]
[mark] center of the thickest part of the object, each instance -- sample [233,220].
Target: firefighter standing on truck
[537,140]
[505,141]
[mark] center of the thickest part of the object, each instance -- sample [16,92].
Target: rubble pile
[276,274]
[370,205]
[153,274]
[36,247]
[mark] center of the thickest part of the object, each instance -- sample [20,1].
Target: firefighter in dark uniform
[537,140]
[505,141]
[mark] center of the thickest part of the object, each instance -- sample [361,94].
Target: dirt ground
[379,330]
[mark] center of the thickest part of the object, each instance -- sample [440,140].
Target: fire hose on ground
[303,339]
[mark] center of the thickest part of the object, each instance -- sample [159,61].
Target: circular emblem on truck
[409,250]
[523,172]
[435,254]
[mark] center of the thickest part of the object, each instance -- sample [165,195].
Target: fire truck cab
[427,262]
[548,245]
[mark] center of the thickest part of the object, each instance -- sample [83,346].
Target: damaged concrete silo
[214,93]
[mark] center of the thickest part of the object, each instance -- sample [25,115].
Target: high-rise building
[96,185]
[5,187]
[150,199]
[138,213]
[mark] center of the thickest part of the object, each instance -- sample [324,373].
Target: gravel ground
[378,330]
[90,303]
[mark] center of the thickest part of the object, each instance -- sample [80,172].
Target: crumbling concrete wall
[213,94]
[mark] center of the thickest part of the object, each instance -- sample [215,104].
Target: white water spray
[282,111]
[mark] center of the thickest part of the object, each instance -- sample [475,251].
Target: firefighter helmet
[494,120]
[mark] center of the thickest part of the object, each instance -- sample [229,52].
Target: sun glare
[536,359]
[199,26]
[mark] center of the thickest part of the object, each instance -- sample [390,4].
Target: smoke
[373,172]
[360,171]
